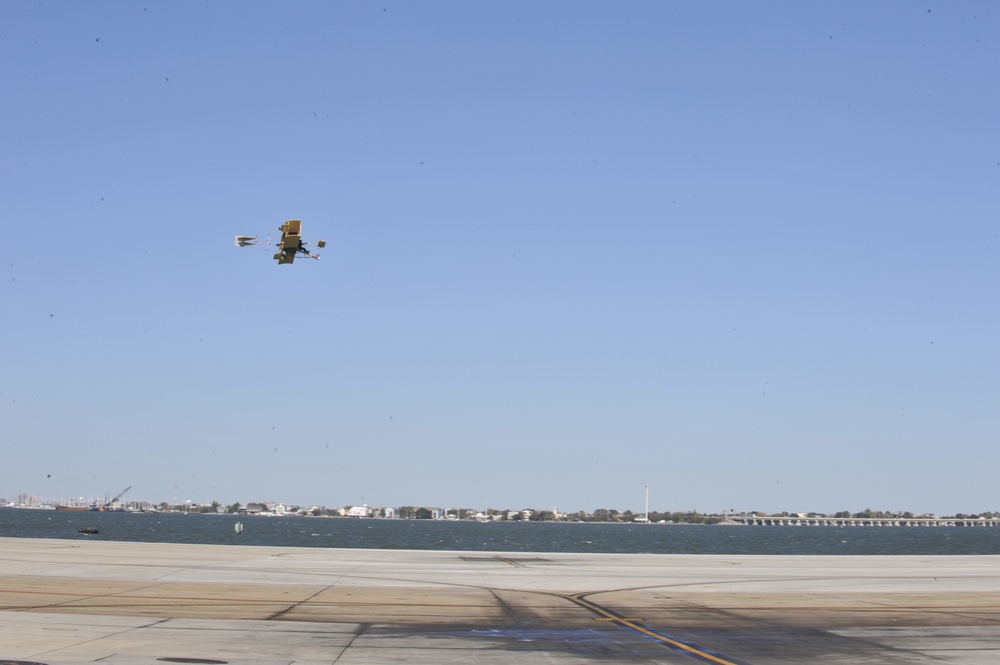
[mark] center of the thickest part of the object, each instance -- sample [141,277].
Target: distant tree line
[532,515]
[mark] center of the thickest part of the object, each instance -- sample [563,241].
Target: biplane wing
[291,241]
[292,231]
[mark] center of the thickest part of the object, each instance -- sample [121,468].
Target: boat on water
[114,505]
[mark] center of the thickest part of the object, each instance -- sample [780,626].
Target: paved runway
[74,601]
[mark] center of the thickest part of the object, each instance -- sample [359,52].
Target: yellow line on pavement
[608,615]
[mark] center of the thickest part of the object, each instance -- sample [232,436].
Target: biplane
[290,245]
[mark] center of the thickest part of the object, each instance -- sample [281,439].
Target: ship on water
[112,505]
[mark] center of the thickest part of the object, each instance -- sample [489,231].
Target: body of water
[497,536]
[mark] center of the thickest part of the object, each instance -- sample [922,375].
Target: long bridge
[755,520]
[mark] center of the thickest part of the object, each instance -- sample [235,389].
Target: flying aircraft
[289,246]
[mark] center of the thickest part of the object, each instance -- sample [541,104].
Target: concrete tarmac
[79,601]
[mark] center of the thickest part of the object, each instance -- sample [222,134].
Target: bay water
[496,536]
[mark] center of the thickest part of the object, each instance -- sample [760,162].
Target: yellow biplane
[290,245]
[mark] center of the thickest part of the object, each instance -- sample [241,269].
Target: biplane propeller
[290,245]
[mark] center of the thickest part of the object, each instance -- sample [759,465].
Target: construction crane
[107,506]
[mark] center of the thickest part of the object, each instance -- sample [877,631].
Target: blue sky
[746,253]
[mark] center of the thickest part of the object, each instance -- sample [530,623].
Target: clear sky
[747,253]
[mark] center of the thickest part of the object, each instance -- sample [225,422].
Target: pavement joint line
[298,603]
[507,609]
[358,633]
[152,623]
